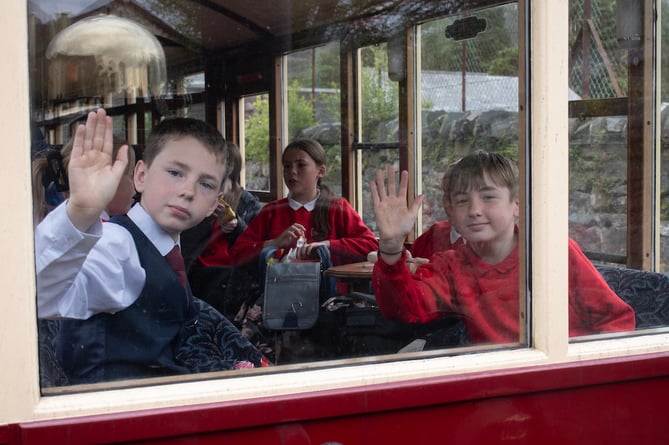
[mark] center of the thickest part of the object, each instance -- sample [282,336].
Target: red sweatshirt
[486,295]
[435,239]
[350,239]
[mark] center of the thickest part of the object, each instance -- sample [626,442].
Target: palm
[394,218]
[93,174]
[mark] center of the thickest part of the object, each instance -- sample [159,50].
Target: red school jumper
[350,239]
[435,239]
[486,295]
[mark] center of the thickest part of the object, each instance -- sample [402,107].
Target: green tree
[379,95]
[300,110]
[256,129]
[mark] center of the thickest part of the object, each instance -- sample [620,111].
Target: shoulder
[441,226]
[574,248]
[341,204]
[275,205]
[248,197]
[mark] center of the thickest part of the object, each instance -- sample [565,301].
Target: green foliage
[506,63]
[256,128]
[300,111]
[491,51]
[331,103]
[380,95]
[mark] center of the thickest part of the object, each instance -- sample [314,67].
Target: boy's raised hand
[93,174]
[394,218]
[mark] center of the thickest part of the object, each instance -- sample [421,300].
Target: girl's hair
[233,172]
[49,168]
[326,195]
[181,127]
[469,172]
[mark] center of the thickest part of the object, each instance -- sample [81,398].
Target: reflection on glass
[612,203]
[104,55]
[379,99]
[664,141]
[469,95]
[256,141]
[313,92]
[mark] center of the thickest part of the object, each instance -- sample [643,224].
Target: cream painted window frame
[549,164]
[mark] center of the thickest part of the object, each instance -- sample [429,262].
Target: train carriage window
[616,168]
[419,93]
[311,105]
[378,137]
[313,96]
[255,145]
[664,136]
[469,95]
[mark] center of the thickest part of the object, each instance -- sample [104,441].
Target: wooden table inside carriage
[358,276]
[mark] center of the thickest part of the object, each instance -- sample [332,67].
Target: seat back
[647,293]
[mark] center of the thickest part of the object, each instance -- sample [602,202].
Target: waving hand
[394,218]
[93,174]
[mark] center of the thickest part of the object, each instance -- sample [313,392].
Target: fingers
[415,205]
[78,145]
[391,180]
[378,186]
[121,160]
[98,132]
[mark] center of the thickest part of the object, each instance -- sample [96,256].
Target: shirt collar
[156,234]
[308,205]
[455,235]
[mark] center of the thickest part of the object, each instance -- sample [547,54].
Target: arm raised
[394,218]
[94,175]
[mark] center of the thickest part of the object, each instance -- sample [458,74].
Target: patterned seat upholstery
[646,292]
[215,345]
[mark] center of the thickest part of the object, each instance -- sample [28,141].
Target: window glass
[469,95]
[598,144]
[313,92]
[481,72]
[613,204]
[256,141]
[664,139]
[379,120]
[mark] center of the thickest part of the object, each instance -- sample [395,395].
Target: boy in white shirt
[126,312]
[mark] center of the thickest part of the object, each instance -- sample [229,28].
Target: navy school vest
[139,341]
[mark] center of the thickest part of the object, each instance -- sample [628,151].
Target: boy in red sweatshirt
[478,279]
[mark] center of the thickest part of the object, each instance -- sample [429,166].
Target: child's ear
[139,176]
[322,170]
[516,208]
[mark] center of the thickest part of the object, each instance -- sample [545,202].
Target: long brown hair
[50,167]
[233,172]
[326,196]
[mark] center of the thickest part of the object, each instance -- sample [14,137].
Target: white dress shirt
[80,274]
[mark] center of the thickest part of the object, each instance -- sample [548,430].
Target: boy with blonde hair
[478,279]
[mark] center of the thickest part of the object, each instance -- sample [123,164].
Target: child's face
[485,215]
[301,174]
[182,185]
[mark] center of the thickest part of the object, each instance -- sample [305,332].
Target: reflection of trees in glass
[319,64]
[489,52]
[178,14]
[256,130]
[379,95]
[301,113]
